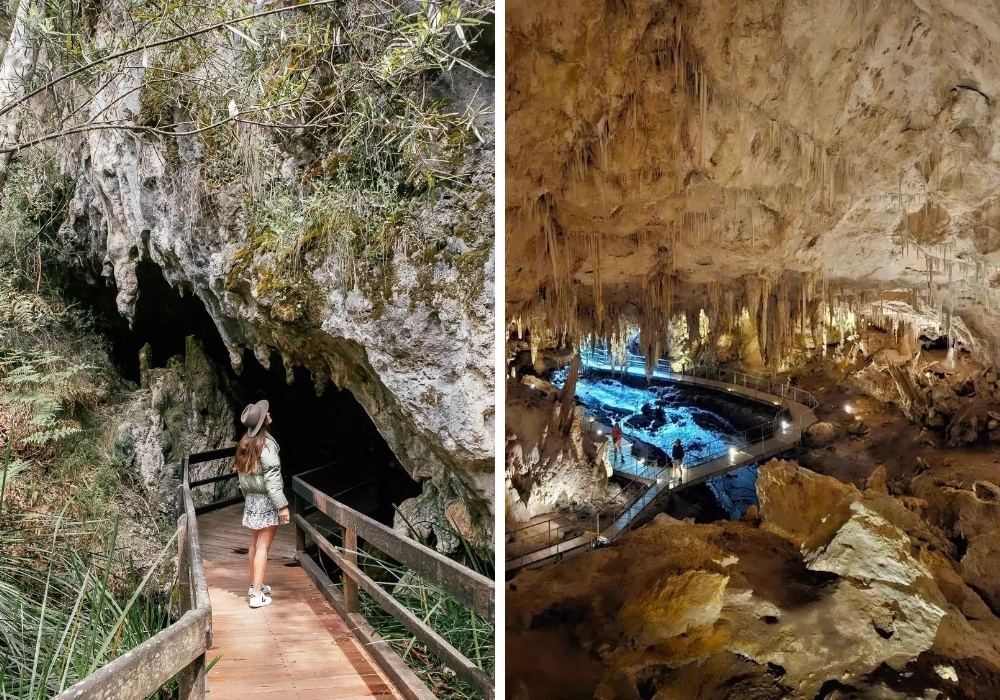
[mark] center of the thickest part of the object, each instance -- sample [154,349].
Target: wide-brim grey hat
[254,415]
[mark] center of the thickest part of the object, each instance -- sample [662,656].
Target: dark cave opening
[332,430]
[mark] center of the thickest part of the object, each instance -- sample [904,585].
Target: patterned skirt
[259,512]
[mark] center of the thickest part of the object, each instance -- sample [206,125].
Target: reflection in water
[656,415]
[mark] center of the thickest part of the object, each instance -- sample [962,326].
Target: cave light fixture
[732,454]
[848,408]
[784,425]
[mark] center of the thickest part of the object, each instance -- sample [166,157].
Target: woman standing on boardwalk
[259,469]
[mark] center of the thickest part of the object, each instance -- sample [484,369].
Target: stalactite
[595,257]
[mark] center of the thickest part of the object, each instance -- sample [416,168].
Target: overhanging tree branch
[6,109]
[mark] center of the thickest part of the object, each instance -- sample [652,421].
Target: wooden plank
[209,507]
[141,671]
[462,666]
[214,479]
[296,646]
[473,589]
[192,681]
[401,675]
[212,455]
[200,586]
[298,508]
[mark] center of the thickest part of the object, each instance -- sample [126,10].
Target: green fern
[37,382]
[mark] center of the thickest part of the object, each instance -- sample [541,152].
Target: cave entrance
[332,430]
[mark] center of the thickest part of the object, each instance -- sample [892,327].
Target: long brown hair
[248,452]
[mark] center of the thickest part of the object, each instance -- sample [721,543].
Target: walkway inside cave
[762,422]
[331,430]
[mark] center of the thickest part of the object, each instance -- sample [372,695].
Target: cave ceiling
[665,153]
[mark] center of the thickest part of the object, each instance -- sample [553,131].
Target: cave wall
[418,358]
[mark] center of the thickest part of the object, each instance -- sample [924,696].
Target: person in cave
[259,469]
[668,465]
[677,452]
[616,441]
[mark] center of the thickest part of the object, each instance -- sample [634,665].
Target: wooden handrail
[469,587]
[214,479]
[212,455]
[179,649]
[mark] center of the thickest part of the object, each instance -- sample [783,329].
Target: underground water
[656,413]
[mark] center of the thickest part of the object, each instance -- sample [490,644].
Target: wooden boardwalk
[296,647]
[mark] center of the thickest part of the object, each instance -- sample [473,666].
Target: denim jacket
[267,477]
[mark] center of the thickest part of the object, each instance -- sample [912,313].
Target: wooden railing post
[299,508]
[351,554]
[184,594]
[192,680]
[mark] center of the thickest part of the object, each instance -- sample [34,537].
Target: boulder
[943,398]
[858,428]
[858,543]
[674,606]
[795,500]
[964,427]
[819,434]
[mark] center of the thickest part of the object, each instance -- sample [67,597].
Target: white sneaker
[265,589]
[259,601]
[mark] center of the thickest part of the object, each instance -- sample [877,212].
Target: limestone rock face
[964,504]
[417,353]
[856,542]
[547,468]
[179,410]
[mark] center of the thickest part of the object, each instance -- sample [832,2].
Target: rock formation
[180,409]
[960,402]
[831,592]
[547,466]
[393,303]
[800,166]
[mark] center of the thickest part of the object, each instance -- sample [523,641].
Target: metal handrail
[761,384]
[180,649]
[641,471]
[468,587]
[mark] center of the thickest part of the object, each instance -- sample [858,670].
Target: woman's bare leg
[251,553]
[264,538]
